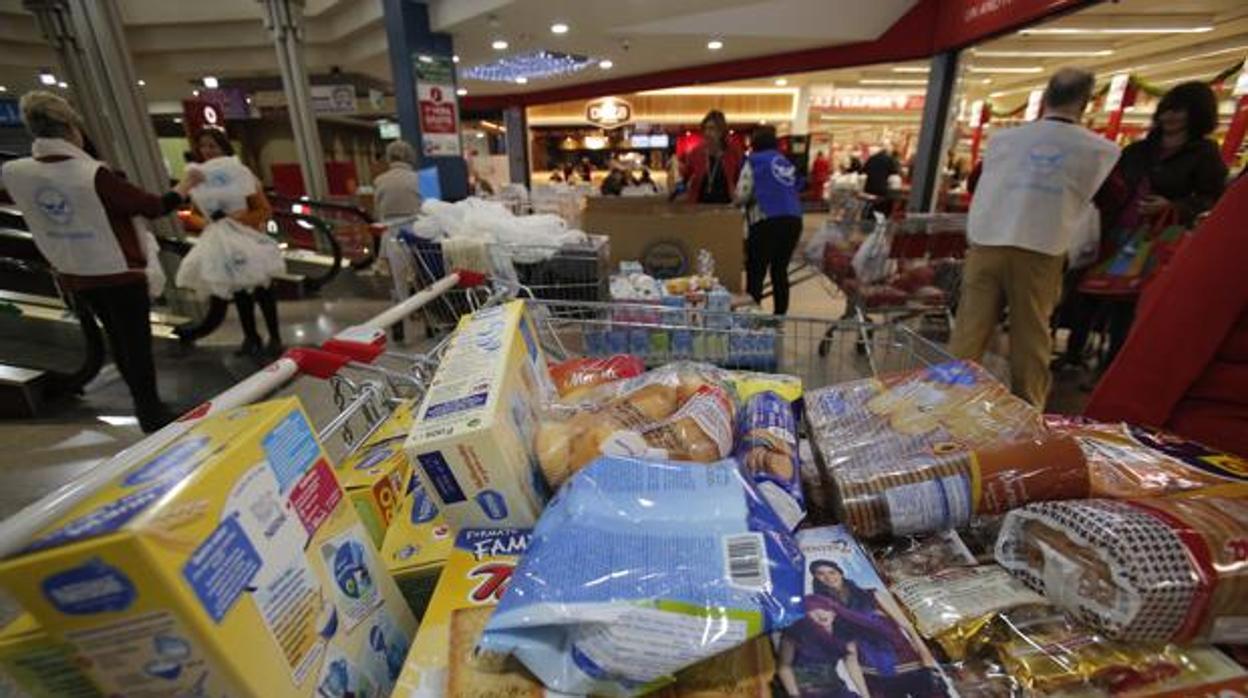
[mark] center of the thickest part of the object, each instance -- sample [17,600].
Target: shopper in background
[878,168]
[1185,365]
[768,188]
[1038,180]
[212,144]
[397,190]
[711,169]
[820,172]
[1175,173]
[81,215]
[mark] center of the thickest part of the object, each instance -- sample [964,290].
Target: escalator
[356,232]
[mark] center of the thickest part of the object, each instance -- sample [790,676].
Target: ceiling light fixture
[499,45]
[1005,69]
[606,64]
[558,28]
[522,80]
[1098,53]
[781,82]
[3,88]
[912,69]
[1068,31]
[62,84]
[461,92]
[424,59]
[714,44]
[455,58]
[874,81]
[47,78]
[194,93]
[211,82]
[142,82]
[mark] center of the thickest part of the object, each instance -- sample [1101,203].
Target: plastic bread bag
[638,569]
[1157,570]
[683,411]
[950,486]
[573,376]
[920,557]
[1127,461]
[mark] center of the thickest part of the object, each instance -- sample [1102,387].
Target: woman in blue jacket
[768,187]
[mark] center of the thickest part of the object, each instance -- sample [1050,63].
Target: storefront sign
[437,105]
[1117,91]
[963,22]
[609,112]
[232,100]
[868,100]
[333,99]
[1034,101]
[199,114]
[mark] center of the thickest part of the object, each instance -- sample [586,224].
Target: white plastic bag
[871,259]
[230,257]
[1085,246]
[156,279]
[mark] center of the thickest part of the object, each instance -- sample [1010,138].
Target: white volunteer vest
[1037,183]
[65,216]
[226,186]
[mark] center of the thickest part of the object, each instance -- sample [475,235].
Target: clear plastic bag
[230,257]
[638,569]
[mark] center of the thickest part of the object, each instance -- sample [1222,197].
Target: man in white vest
[1037,183]
[82,217]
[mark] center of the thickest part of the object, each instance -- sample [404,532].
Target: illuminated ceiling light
[455,58]
[522,80]
[461,92]
[1097,53]
[194,93]
[177,119]
[558,28]
[499,45]
[912,69]
[781,82]
[986,81]
[881,81]
[1068,31]
[531,65]
[1005,70]
[714,44]
[211,82]
[142,82]
[3,88]
[606,64]
[47,78]
[424,59]
[62,84]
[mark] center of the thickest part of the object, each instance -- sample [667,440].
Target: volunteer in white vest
[82,216]
[1037,183]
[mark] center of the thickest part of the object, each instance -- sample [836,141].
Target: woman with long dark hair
[895,662]
[253,212]
[710,170]
[811,651]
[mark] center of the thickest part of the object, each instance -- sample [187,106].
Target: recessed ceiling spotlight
[455,58]
[142,82]
[522,80]
[62,84]
[499,45]
[47,78]
[606,64]
[461,92]
[211,82]
[558,28]
[714,44]
[425,59]
[781,82]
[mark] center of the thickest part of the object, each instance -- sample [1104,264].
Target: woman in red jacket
[710,170]
[1184,366]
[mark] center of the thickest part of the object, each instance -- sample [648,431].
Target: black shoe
[250,347]
[274,349]
[155,417]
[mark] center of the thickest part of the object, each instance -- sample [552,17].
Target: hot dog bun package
[1161,570]
[682,411]
[1128,461]
[638,569]
[228,563]
[471,441]
[926,450]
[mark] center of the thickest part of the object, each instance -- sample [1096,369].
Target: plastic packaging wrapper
[573,376]
[927,450]
[1127,461]
[1155,570]
[1046,653]
[920,557]
[638,569]
[767,449]
[680,412]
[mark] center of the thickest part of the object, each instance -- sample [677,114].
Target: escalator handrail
[286,203]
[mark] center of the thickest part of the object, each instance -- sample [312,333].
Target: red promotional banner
[963,22]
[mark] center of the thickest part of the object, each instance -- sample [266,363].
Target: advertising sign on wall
[437,105]
[333,99]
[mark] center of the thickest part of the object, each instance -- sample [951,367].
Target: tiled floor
[41,454]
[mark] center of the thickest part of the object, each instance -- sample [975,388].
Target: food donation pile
[591,527]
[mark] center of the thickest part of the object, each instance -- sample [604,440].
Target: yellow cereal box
[443,663]
[374,474]
[228,564]
[416,546]
[472,442]
[33,665]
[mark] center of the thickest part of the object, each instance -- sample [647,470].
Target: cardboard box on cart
[228,564]
[374,476]
[416,546]
[33,665]
[472,440]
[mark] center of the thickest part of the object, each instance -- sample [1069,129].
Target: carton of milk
[230,563]
[374,476]
[472,441]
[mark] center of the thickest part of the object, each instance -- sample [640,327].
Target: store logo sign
[609,112]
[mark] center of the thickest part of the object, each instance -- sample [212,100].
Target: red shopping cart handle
[470,279]
[317,363]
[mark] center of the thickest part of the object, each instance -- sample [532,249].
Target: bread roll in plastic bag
[1127,461]
[637,569]
[1161,570]
[680,412]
